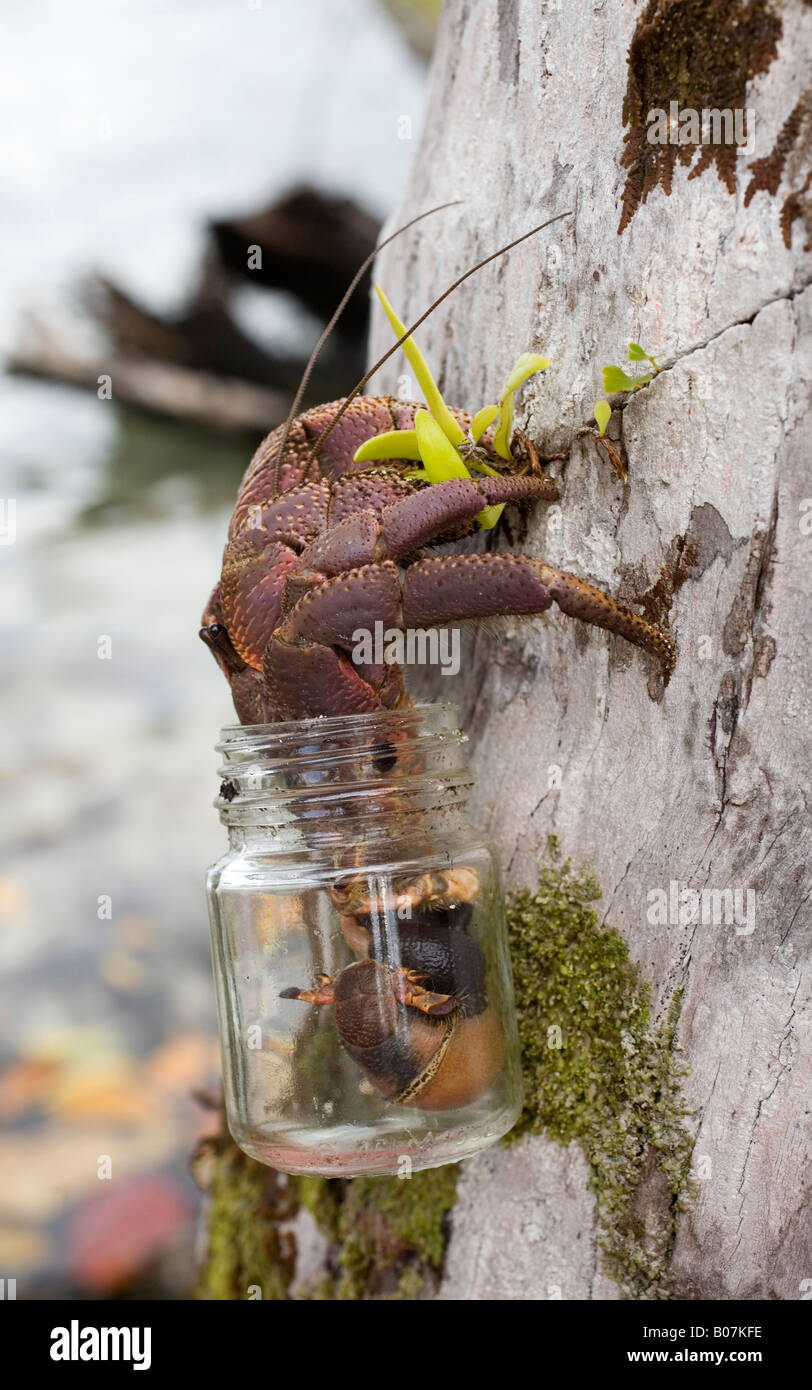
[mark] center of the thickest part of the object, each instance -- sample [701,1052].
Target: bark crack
[784,1067]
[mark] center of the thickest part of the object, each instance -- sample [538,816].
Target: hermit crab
[330,532]
[331,535]
[423,1031]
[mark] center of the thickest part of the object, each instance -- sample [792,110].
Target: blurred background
[188,187]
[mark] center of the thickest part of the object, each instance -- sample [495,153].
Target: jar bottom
[339,1153]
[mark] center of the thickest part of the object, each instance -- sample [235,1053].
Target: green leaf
[392,444]
[639,354]
[480,467]
[603,414]
[525,366]
[428,385]
[615,379]
[489,516]
[482,419]
[440,459]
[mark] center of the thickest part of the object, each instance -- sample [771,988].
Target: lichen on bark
[700,54]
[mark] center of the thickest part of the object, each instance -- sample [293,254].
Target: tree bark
[700,785]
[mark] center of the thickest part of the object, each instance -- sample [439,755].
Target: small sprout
[603,414]
[428,385]
[436,438]
[482,420]
[392,444]
[639,354]
[615,379]
[527,365]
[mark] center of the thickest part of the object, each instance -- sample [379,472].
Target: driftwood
[161,388]
[199,365]
[309,245]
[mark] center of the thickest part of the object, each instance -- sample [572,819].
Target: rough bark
[702,784]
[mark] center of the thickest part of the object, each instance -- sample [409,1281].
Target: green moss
[597,1073]
[322,1198]
[700,54]
[388,1234]
[247,1250]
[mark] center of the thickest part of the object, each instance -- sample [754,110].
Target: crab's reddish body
[321,547]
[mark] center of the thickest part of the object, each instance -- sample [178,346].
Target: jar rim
[234,736]
[354,765]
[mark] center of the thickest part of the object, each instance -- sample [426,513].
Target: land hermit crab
[329,534]
[332,534]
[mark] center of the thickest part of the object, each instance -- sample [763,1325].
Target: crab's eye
[216,637]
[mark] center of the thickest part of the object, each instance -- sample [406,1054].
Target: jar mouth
[347,767]
[289,732]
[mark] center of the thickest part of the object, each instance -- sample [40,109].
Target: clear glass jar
[360,951]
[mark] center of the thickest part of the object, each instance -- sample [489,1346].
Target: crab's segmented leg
[414,521]
[410,991]
[324,993]
[307,671]
[455,587]
[408,525]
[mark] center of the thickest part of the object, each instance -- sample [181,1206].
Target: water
[124,128]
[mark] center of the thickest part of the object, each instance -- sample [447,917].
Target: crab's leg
[412,522]
[305,674]
[307,679]
[306,671]
[411,992]
[324,993]
[455,587]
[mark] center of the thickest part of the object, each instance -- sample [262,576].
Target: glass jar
[360,950]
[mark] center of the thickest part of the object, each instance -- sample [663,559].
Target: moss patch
[248,1256]
[598,1073]
[791,152]
[388,1235]
[392,1233]
[700,54]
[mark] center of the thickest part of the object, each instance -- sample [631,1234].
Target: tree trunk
[698,786]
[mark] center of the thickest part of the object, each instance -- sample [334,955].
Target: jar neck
[333,783]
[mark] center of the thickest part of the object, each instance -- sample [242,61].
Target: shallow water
[125,128]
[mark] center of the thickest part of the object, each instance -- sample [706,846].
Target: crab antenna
[311,362]
[409,331]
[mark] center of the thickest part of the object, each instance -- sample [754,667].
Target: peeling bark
[701,784]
